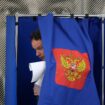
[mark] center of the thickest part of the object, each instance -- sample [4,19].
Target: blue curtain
[11,72]
[65,37]
[95,32]
[25,55]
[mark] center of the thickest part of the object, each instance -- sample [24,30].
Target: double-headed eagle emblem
[73,66]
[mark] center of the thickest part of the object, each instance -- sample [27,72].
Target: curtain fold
[11,72]
[69,59]
[94,28]
[95,33]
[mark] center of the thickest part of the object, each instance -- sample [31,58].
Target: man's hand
[36,90]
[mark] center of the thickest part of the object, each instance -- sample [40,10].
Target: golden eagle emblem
[73,66]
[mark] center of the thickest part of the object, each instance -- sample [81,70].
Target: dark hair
[36,35]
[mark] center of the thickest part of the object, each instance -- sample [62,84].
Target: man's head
[36,43]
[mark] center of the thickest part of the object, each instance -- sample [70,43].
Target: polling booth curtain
[68,77]
[95,33]
[11,72]
[69,41]
[25,55]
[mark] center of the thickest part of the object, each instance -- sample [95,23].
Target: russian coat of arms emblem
[72,67]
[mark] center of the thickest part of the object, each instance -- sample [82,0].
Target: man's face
[37,45]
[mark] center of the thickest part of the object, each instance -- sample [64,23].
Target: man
[36,43]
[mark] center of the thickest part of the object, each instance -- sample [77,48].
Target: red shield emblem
[72,68]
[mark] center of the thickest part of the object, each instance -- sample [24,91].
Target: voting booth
[65,40]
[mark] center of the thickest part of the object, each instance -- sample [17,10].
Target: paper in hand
[37,69]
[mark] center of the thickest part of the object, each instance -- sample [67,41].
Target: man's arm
[37,86]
